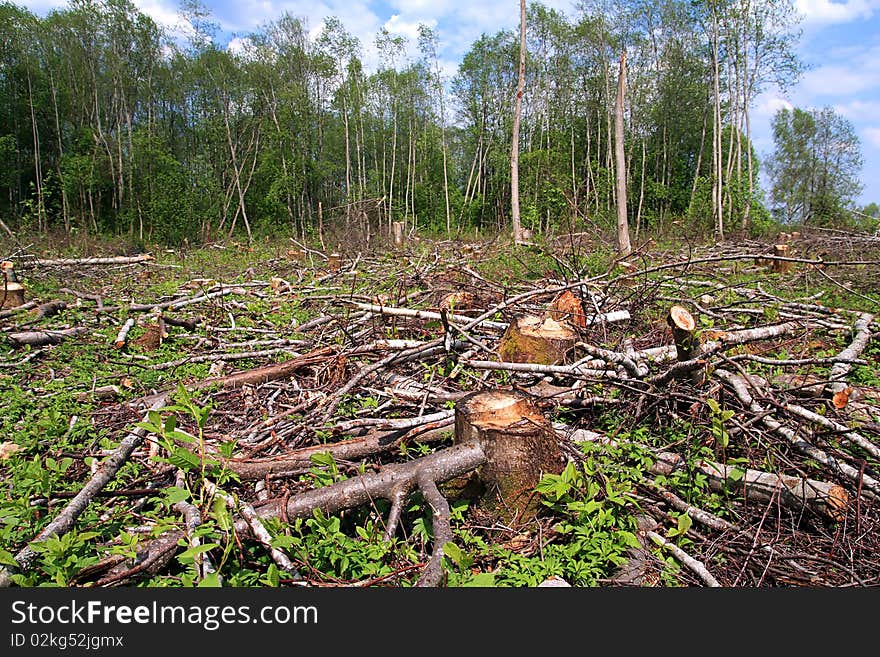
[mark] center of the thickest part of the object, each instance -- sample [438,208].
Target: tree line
[108,124]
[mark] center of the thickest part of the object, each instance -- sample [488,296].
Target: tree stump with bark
[687,342]
[12,291]
[520,447]
[397,230]
[783,251]
[533,339]
[568,307]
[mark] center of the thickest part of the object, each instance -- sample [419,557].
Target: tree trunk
[514,147]
[623,243]
[687,343]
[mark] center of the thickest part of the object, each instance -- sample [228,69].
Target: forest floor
[192,417]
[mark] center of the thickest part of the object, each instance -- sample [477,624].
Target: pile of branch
[510,360]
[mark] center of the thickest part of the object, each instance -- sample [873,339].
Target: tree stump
[781,266]
[11,290]
[687,343]
[569,307]
[334,261]
[397,228]
[533,339]
[520,446]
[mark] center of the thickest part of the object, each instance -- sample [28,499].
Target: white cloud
[872,136]
[859,72]
[827,11]
[163,13]
[768,104]
[859,110]
[409,29]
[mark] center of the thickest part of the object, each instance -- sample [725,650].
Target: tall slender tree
[514,145]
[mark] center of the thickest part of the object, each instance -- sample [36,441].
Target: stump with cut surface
[534,339]
[783,251]
[11,289]
[520,446]
[687,342]
[569,307]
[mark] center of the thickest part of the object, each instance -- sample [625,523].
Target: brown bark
[520,446]
[781,266]
[567,306]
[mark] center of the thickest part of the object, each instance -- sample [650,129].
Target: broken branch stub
[520,447]
[534,339]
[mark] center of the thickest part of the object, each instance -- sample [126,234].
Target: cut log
[520,447]
[687,343]
[533,339]
[12,295]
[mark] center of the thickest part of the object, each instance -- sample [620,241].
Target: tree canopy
[107,124]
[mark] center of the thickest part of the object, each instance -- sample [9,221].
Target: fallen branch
[46,337]
[65,520]
[113,260]
[800,444]
[840,369]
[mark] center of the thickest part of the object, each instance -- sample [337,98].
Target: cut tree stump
[687,343]
[783,251]
[12,292]
[569,307]
[520,447]
[533,339]
[397,228]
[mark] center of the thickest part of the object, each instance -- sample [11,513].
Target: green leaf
[199,549]
[481,580]
[684,523]
[283,542]
[211,580]
[7,559]
[735,474]
[221,514]
[183,458]
[175,494]
[455,553]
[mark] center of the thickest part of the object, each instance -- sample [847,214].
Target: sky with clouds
[840,45]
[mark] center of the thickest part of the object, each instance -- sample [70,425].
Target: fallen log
[112,260]
[46,337]
[827,499]
[840,370]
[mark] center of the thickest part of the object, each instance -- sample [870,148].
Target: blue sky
[840,44]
